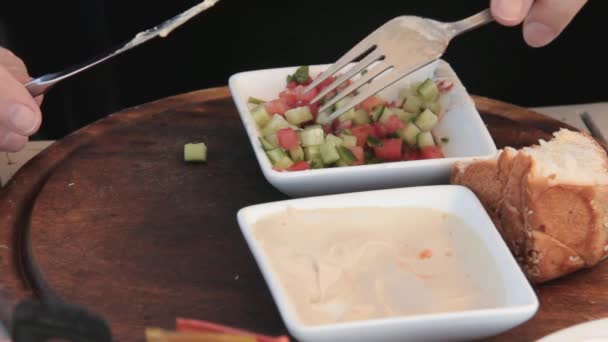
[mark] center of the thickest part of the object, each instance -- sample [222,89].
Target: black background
[241,35]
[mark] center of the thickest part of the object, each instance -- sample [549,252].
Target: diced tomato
[327,129]
[390,149]
[330,95]
[325,83]
[444,86]
[394,124]
[412,154]
[358,152]
[361,132]
[431,152]
[289,97]
[342,125]
[288,138]
[371,103]
[344,85]
[276,107]
[380,131]
[314,109]
[299,166]
[305,97]
[292,85]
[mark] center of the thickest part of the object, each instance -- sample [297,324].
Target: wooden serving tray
[112,219]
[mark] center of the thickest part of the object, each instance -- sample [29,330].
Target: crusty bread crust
[572,215]
[547,258]
[552,228]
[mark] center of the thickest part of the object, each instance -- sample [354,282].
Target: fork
[42,84]
[398,48]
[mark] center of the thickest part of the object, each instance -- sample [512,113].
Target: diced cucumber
[428,90]
[343,102]
[299,115]
[276,123]
[312,136]
[284,163]
[348,140]
[360,117]
[413,104]
[317,163]
[273,140]
[388,112]
[410,90]
[195,152]
[378,113]
[313,126]
[275,155]
[346,155]
[403,115]
[425,139]
[329,153]
[333,139]
[348,115]
[341,163]
[296,154]
[410,133]
[323,117]
[279,158]
[433,106]
[426,120]
[312,152]
[260,115]
[254,100]
[266,145]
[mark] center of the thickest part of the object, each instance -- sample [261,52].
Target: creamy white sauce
[184,17]
[339,265]
[169,26]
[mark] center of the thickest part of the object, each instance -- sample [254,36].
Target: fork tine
[362,47]
[371,74]
[375,87]
[357,68]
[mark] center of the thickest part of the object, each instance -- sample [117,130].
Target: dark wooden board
[110,218]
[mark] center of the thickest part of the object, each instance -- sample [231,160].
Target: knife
[593,129]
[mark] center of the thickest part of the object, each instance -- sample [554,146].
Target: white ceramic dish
[592,331]
[468,138]
[518,305]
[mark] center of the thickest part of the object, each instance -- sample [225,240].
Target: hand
[20,115]
[543,20]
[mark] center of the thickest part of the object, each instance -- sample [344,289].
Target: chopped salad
[375,131]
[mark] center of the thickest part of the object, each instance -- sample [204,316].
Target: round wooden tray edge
[33,175]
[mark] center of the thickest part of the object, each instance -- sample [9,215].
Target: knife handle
[37,322]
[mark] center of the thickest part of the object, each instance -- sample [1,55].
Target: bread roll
[549,202]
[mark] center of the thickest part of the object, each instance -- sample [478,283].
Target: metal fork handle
[459,27]
[42,84]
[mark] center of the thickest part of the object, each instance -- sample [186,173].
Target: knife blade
[593,128]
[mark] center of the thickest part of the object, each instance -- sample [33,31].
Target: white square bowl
[468,137]
[518,305]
